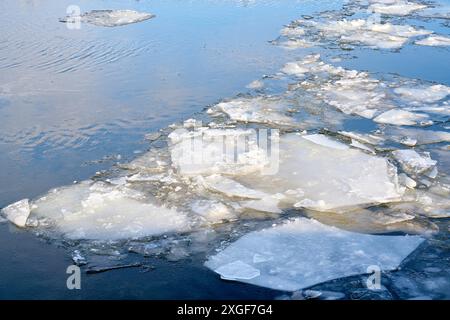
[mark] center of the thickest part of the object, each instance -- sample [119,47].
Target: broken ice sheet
[359,32]
[17,212]
[413,162]
[94,210]
[109,18]
[327,178]
[303,252]
[402,118]
[420,136]
[434,41]
[258,109]
[400,8]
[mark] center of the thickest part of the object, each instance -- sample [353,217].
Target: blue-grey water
[74,102]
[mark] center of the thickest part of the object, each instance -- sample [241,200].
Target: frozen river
[358,93]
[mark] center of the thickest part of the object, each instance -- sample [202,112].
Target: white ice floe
[365,32]
[302,253]
[363,137]
[208,151]
[325,178]
[400,8]
[231,188]
[406,181]
[355,143]
[325,141]
[427,94]
[109,18]
[402,118]
[17,212]
[96,211]
[413,136]
[259,109]
[413,162]
[434,41]
[256,84]
[213,211]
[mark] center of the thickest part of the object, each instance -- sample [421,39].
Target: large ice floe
[109,18]
[303,252]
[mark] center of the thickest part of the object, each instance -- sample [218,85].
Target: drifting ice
[18,212]
[302,253]
[110,18]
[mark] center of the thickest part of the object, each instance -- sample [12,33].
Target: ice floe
[109,18]
[357,31]
[17,212]
[303,252]
[402,118]
[434,41]
[401,8]
[427,94]
[413,162]
[93,210]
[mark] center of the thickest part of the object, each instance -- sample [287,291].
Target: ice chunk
[257,84]
[258,109]
[208,151]
[323,140]
[413,162]
[268,204]
[400,8]
[213,211]
[237,270]
[231,188]
[428,94]
[17,212]
[365,32]
[363,137]
[403,179]
[302,252]
[355,143]
[355,94]
[401,117]
[327,178]
[95,211]
[420,136]
[435,40]
[109,18]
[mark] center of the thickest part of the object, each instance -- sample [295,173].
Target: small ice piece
[428,94]
[391,217]
[213,211]
[231,188]
[237,270]
[258,109]
[302,252]
[269,204]
[363,137]
[406,181]
[401,117]
[420,136]
[17,212]
[78,259]
[109,18]
[325,141]
[413,162]
[434,41]
[355,143]
[292,31]
[398,8]
[257,84]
